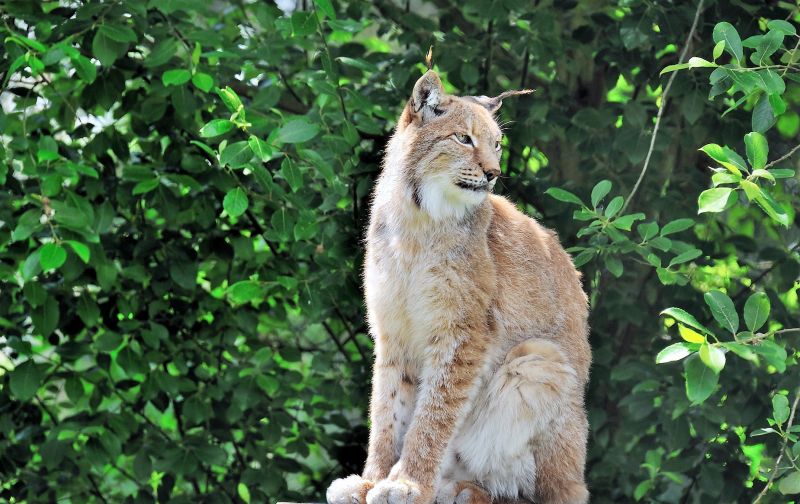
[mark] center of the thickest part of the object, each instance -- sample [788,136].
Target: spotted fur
[479,322]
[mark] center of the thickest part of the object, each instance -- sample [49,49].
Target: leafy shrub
[185,191]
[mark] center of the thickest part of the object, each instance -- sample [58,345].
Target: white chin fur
[442,199]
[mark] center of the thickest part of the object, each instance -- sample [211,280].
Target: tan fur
[479,322]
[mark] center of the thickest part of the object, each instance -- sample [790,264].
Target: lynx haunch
[479,322]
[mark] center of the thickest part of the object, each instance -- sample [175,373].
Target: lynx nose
[491,174]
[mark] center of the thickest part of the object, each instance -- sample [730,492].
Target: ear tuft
[427,96]
[493,104]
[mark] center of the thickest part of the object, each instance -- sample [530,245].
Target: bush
[186,187]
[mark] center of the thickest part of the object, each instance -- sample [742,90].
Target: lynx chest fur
[418,277]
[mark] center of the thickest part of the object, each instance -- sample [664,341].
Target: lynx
[479,321]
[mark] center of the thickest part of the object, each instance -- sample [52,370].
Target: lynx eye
[497,146]
[463,139]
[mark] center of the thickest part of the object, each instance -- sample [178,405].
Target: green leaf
[674,68]
[307,226]
[145,186]
[690,335]
[46,316]
[281,225]
[235,202]
[27,224]
[176,77]
[161,53]
[260,148]
[782,26]
[763,118]
[762,173]
[686,256]
[773,353]
[292,174]
[712,356]
[106,49]
[772,208]
[562,195]
[647,230]
[766,47]
[777,104]
[781,173]
[203,82]
[725,157]
[230,99]
[674,352]
[790,484]
[26,43]
[757,149]
[599,191]
[196,53]
[296,131]
[723,310]
[216,127]
[326,8]
[721,178]
[52,256]
[733,43]
[84,68]
[244,492]
[236,155]
[25,380]
[614,265]
[756,311]
[715,200]
[770,82]
[80,249]
[780,408]
[676,226]
[718,48]
[614,206]
[584,257]
[685,318]
[743,351]
[626,221]
[118,33]
[142,467]
[245,291]
[695,62]
[641,489]
[700,380]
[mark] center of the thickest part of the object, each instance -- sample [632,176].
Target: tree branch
[664,96]
[784,157]
[783,448]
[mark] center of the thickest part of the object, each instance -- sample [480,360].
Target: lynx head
[451,147]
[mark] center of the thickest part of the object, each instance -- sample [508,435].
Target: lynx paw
[350,490]
[462,492]
[395,492]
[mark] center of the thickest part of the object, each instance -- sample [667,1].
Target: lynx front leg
[445,390]
[391,407]
[392,403]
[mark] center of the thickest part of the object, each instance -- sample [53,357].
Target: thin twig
[96,489]
[336,341]
[662,107]
[764,273]
[791,58]
[783,448]
[784,157]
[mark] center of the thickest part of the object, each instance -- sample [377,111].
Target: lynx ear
[428,97]
[493,104]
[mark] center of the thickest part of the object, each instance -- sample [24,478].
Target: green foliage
[185,188]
